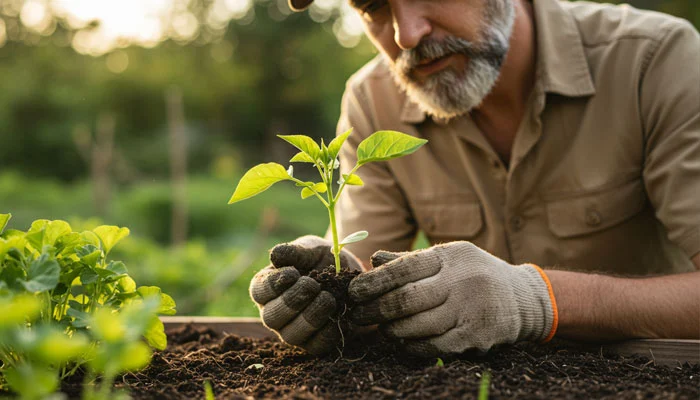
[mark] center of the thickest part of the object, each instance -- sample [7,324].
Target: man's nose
[410,26]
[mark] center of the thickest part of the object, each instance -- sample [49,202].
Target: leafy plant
[380,146]
[65,307]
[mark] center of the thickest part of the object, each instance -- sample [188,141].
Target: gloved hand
[454,297]
[293,305]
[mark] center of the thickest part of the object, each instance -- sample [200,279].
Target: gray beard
[450,93]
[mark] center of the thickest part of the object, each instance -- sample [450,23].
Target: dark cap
[299,5]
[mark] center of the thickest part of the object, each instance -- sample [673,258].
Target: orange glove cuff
[555,321]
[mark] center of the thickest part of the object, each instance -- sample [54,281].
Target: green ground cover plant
[380,146]
[65,307]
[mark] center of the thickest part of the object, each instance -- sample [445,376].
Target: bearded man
[563,136]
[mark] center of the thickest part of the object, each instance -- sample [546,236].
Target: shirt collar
[561,61]
[562,67]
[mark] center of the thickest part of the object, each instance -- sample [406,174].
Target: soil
[242,368]
[337,285]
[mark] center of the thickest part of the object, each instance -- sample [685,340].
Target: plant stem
[342,186]
[334,230]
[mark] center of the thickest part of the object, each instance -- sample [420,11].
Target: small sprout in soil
[439,363]
[484,386]
[208,391]
[255,366]
[380,146]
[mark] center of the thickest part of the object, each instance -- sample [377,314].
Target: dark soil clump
[380,370]
[335,284]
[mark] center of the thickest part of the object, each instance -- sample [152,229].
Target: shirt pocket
[447,219]
[593,211]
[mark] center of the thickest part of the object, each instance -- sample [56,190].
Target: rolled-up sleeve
[670,111]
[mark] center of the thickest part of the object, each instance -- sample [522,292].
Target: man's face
[446,54]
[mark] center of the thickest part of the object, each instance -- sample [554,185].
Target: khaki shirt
[605,168]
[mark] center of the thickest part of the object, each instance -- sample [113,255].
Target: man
[561,135]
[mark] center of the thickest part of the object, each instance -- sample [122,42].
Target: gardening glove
[454,297]
[292,304]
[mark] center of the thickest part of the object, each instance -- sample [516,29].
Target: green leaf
[56,347]
[302,157]
[42,275]
[55,230]
[155,334]
[15,242]
[117,267]
[318,187]
[325,155]
[66,244]
[10,233]
[35,234]
[439,362]
[3,221]
[257,180]
[88,276]
[18,310]
[385,145]
[354,237]
[82,319]
[110,235]
[127,284]
[134,356]
[353,180]
[149,291]
[335,144]
[303,143]
[32,381]
[304,184]
[88,254]
[89,237]
[167,304]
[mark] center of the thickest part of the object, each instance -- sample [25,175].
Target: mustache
[431,49]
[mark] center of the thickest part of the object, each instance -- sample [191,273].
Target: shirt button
[517,223]
[593,218]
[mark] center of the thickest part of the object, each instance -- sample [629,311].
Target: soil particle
[375,369]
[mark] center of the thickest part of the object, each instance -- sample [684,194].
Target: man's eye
[371,8]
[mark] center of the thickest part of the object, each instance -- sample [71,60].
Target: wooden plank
[662,351]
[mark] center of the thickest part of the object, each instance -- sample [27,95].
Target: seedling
[380,146]
[484,386]
[208,391]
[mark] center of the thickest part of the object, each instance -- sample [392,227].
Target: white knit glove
[454,297]
[292,304]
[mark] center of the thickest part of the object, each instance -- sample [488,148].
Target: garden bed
[259,366]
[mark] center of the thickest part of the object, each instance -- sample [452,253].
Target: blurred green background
[145,113]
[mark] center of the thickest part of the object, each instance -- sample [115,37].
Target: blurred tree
[246,72]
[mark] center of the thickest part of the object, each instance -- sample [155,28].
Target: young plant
[64,306]
[484,386]
[380,146]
